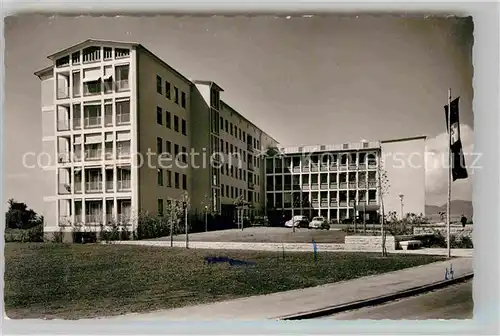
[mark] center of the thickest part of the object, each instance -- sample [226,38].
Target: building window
[176,150]
[221,123]
[160,207]
[184,154]
[227,126]
[227,191]
[222,170]
[232,192]
[167,89]
[222,190]
[168,119]
[159,115]
[169,147]
[221,145]
[176,178]
[239,135]
[160,177]
[159,145]
[176,123]
[227,147]
[184,182]
[158,84]
[258,144]
[169,178]
[176,95]
[184,127]
[183,99]
[231,129]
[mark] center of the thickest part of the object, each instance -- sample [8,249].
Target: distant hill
[457,208]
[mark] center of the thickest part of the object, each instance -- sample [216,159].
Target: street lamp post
[206,218]
[401,196]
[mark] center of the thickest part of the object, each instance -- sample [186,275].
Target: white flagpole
[448,219]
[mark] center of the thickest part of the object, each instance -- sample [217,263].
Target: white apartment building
[341,181]
[108,109]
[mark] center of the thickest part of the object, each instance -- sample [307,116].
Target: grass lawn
[267,235]
[45,280]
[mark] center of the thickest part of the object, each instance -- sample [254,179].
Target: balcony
[343,203]
[122,85]
[123,185]
[324,204]
[78,219]
[314,186]
[110,219]
[333,166]
[343,185]
[296,169]
[64,220]
[362,185]
[250,166]
[64,157]
[64,188]
[352,185]
[314,167]
[109,186]
[93,219]
[123,119]
[333,185]
[93,187]
[250,185]
[353,166]
[372,201]
[93,154]
[108,120]
[343,167]
[323,186]
[249,147]
[315,203]
[352,203]
[333,202]
[372,164]
[306,187]
[305,169]
[78,187]
[77,123]
[92,122]
[63,125]
[372,184]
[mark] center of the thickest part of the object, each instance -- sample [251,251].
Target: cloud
[436,167]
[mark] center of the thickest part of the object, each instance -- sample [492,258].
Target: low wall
[457,231]
[373,243]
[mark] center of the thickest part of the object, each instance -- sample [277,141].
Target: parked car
[297,221]
[319,223]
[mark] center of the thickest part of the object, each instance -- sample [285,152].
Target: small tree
[174,211]
[240,204]
[19,216]
[383,186]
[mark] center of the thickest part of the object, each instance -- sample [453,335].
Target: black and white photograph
[217,167]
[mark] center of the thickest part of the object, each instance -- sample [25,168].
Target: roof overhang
[90,43]
[44,72]
[210,83]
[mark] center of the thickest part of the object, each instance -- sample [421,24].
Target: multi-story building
[115,117]
[342,181]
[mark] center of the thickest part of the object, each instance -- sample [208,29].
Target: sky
[305,81]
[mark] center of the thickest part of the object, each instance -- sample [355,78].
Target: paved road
[454,302]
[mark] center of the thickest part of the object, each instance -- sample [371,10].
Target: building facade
[124,132]
[341,182]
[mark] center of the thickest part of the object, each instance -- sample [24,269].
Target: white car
[319,223]
[297,221]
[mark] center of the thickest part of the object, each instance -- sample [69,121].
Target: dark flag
[458,170]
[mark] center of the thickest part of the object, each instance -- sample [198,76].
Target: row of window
[168,120]
[233,192]
[238,173]
[169,93]
[236,132]
[167,179]
[178,152]
[230,149]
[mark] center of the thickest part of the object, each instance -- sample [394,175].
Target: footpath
[285,304]
[291,247]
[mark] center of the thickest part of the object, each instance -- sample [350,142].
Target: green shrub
[58,236]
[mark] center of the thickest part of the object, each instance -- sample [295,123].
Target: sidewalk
[274,306]
[298,247]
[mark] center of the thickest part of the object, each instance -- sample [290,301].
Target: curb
[376,300]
